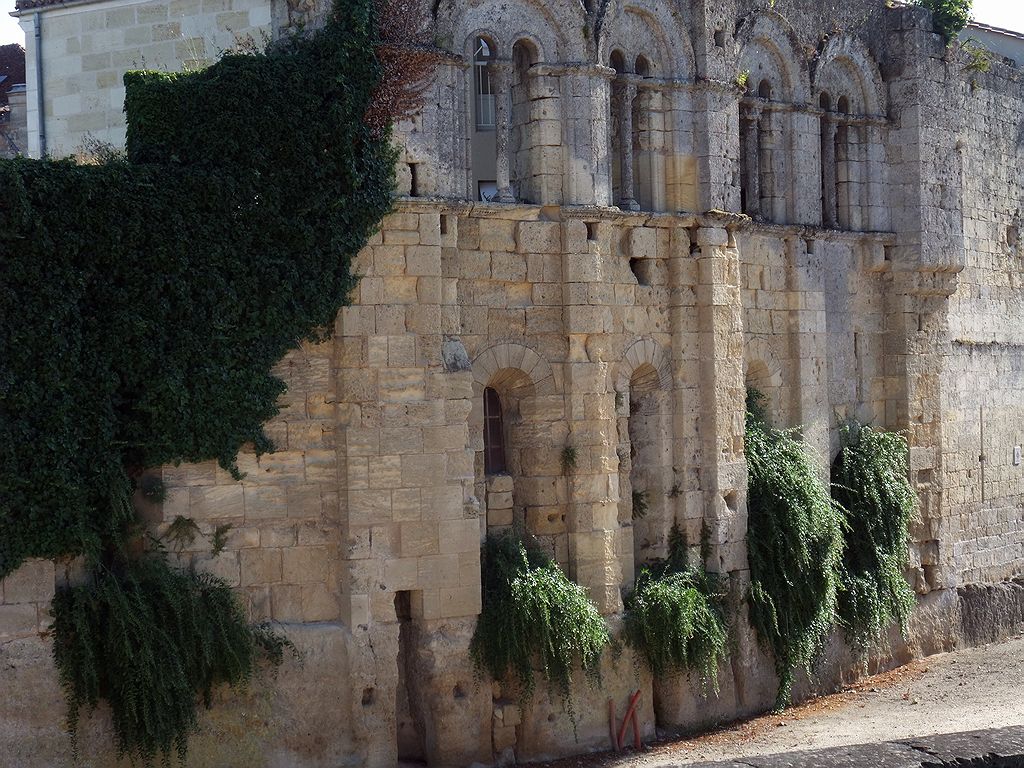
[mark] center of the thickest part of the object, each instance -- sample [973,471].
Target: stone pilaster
[723,396]
[593,484]
[808,346]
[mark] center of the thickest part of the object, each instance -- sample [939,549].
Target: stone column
[723,396]
[808,346]
[828,171]
[501,81]
[750,119]
[627,195]
[593,485]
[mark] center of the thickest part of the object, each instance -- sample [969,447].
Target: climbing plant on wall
[143,303]
[675,616]
[794,545]
[869,481]
[948,16]
[532,613]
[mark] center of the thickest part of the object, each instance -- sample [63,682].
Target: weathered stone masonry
[694,203]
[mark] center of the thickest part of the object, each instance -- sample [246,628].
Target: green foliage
[219,539]
[948,16]
[152,641]
[532,614]
[153,489]
[640,504]
[181,533]
[869,481]
[794,544]
[675,616]
[980,57]
[144,301]
[568,459]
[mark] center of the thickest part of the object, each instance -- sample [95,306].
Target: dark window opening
[414,182]
[494,434]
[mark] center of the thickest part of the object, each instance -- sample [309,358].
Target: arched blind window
[494,434]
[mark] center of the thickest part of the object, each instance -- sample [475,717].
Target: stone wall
[88,47]
[875,278]
[985,472]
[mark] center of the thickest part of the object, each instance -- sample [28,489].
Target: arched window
[764,90]
[494,434]
[482,58]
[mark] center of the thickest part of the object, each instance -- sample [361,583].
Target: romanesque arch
[848,88]
[776,76]
[531,490]
[643,386]
[651,132]
[762,371]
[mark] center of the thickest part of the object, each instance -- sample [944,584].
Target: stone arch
[846,68]
[530,20]
[848,85]
[770,49]
[646,476]
[532,492]
[644,351]
[509,356]
[763,371]
[669,50]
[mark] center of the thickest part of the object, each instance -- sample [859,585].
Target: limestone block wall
[88,47]
[985,474]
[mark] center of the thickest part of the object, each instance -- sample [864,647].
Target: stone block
[539,237]
[32,582]
[496,235]
[643,243]
[419,538]
[18,620]
[305,564]
[458,536]
[260,566]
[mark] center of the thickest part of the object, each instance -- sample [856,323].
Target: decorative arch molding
[541,23]
[514,364]
[769,46]
[640,353]
[846,68]
[672,55]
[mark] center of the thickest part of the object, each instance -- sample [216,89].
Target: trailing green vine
[675,616]
[869,481]
[533,614]
[151,640]
[144,302]
[794,545]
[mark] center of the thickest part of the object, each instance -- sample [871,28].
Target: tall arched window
[482,58]
[494,434]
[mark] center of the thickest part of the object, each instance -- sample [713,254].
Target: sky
[998,13]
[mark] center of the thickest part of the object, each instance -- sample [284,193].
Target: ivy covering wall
[144,301]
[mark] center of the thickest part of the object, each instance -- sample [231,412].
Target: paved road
[978,690]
